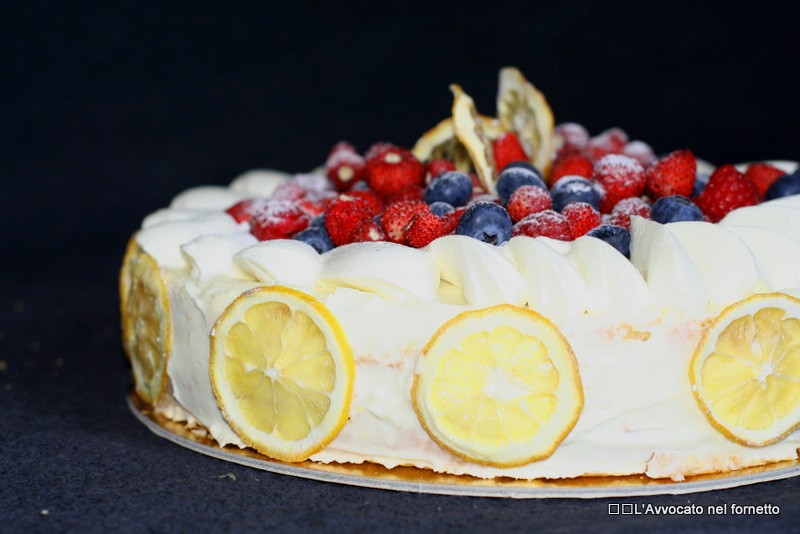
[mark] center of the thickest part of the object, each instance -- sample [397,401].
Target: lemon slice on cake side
[282,371]
[498,386]
[745,373]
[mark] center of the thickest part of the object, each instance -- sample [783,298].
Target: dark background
[110,110]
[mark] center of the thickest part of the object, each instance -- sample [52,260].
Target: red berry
[392,170]
[397,216]
[344,217]
[526,200]
[372,201]
[279,219]
[546,223]
[574,139]
[640,151]
[437,167]
[244,210]
[507,148]
[572,165]
[368,230]
[674,174]
[378,149]
[413,192]
[627,208]
[618,177]
[344,166]
[424,228]
[582,217]
[727,190]
[763,175]
[315,207]
[450,220]
[611,141]
[289,190]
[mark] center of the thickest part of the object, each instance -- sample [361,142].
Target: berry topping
[392,170]
[377,149]
[675,208]
[424,228]
[574,139]
[784,186]
[674,174]
[486,221]
[572,165]
[611,141]
[727,190]
[244,210]
[413,192]
[317,237]
[345,216]
[581,217]
[513,178]
[344,166]
[279,219]
[527,200]
[507,149]
[616,236]
[452,187]
[368,230]
[625,209]
[441,208]
[546,223]
[617,177]
[437,167]
[640,151]
[451,219]
[571,189]
[289,190]
[763,175]
[397,216]
[371,200]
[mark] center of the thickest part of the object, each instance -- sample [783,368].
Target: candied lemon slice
[745,374]
[146,322]
[524,110]
[441,142]
[282,371]
[470,132]
[498,386]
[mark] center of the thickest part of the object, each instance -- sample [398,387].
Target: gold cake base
[416,480]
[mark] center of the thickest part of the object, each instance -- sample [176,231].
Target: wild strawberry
[507,148]
[526,200]
[763,175]
[546,223]
[368,230]
[278,219]
[424,228]
[674,174]
[392,170]
[244,210]
[378,149]
[289,190]
[582,217]
[611,141]
[640,151]
[344,217]
[397,216]
[437,167]
[574,139]
[727,190]
[315,207]
[450,220]
[572,165]
[625,209]
[617,177]
[372,201]
[413,192]
[344,166]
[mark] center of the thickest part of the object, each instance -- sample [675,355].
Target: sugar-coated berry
[625,209]
[640,151]
[527,200]
[512,178]
[440,209]
[617,177]
[280,219]
[391,170]
[345,216]
[727,190]
[369,231]
[572,137]
[344,166]
[485,221]
[611,141]
[572,165]
[317,237]
[784,186]
[397,216]
[546,223]
[571,189]
[675,208]
[581,217]
[424,228]
[452,187]
[616,236]
[507,149]
[242,211]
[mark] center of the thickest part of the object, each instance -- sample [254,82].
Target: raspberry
[344,166]
[424,228]
[392,170]
[625,209]
[526,200]
[727,190]
[572,165]
[368,230]
[244,210]
[574,139]
[450,220]
[278,219]
[763,175]
[507,148]
[437,167]
[617,177]
[674,174]
[640,151]
[582,217]
[289,190]
[546,223]
[397,216]
[611,141]
[344,217]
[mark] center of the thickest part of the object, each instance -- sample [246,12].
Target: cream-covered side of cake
[633,325]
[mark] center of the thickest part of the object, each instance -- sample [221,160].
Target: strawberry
[344,217]
[546,223]
[279,219]
[437,167]
[244,210]
[344,166]
[574,139]
[413,192]
[572,165]
[625,209]
[763,175]
[372,201]
[582,217]
[727,190]
[450,220]
[315,207]
[526,200]
[640,151]
[289,190]
[674,174]
[397,216]
[611,141]
[507,148]
[368,230]
[393,169]
[424,227]
[378,149]
[617,177]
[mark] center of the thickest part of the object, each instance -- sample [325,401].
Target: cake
[509,298]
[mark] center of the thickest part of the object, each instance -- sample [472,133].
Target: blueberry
[441,209]
[675,208]
[700,183]
[317,237]
[522,165]
[317,222]
[512,178]
[616,236]
[571,189]
[486,221]
[452,187]
[784,186]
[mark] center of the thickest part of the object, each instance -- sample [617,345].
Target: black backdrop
[110,109]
